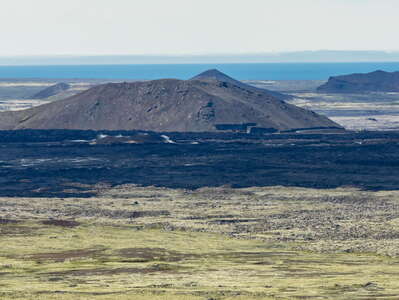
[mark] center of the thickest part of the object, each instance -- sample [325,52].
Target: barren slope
[217,75]
[165,105]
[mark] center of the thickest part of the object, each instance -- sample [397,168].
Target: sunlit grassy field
[147,243]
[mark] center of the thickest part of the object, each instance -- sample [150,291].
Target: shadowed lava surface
[60,163]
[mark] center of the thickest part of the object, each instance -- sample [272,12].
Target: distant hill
[164,105]
[217,75]
[52,91]
[378,81]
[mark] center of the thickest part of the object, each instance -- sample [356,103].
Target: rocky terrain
[166,105]
[68,163]
[378,81]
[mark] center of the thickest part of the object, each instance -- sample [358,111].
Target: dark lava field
[60,163]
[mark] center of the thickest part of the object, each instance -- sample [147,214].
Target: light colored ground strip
[17,104]
[374,111]
[347,105]
[384,122]
[22,84]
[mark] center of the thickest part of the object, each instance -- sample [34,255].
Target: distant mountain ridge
[52,90]
[378,81]
[167,105]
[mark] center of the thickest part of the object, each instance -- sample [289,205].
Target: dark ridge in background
[378,81]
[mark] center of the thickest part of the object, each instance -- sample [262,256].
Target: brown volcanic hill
[165,105]
[215,74]
[378,81]
[52,90]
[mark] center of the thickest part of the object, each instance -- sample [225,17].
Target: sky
[180,27]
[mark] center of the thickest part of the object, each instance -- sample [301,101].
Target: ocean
[252,71]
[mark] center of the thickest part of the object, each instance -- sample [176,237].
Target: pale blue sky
[76,27]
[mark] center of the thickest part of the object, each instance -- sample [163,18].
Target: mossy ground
[173,256]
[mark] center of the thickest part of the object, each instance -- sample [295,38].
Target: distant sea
[252,71]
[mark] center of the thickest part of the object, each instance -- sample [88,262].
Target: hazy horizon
[190,27]
[276,57]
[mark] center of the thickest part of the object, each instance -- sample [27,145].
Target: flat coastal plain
[354,111]
[131,242]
